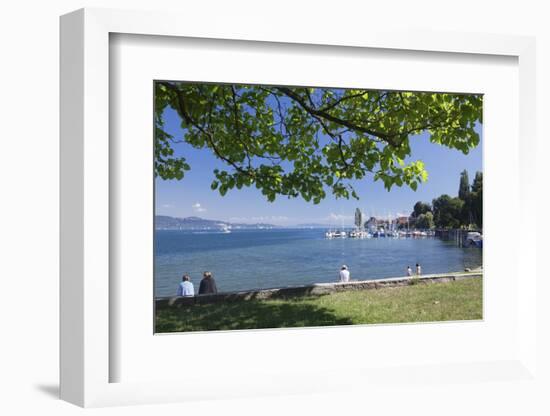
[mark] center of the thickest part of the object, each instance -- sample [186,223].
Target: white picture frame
[86,304]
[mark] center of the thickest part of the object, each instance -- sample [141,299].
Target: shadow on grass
[247,314]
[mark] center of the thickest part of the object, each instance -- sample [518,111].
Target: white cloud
[197,207]
[265,219]
[167,206]
[276,218]
[339,217]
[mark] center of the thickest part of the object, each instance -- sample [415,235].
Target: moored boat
[336,234]
[473,239]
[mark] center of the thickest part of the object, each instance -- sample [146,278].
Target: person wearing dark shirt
[208,284]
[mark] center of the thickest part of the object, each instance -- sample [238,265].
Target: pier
[459,236]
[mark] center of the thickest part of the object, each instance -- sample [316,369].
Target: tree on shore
[358,218]
[421,208]
[458,212]
[447,211]
[305,142]
[476,200]
[464,187]
[465,195]
[472,213]
[425,221]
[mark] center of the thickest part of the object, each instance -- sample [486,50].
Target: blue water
[255,259]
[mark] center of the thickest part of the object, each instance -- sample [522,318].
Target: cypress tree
[464,188]
[358,218]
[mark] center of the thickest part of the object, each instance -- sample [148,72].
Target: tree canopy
[447,211]
[305,142]
[475,200]
[358,218]
[420,208]
[464,186]
[425,221]
[463,211]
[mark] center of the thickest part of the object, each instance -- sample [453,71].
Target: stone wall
[314,289]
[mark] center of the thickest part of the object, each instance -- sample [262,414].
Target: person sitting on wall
[208,284]
[344,274]
[185,287]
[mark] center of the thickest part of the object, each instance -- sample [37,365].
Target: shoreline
[314,289]
[458,299]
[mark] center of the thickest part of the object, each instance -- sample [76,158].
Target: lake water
[253,259]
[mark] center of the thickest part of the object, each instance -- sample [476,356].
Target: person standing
[208,284]
[186,288]
[344,274]
[418,269]
[409,271]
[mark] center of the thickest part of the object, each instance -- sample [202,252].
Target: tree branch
[319,113]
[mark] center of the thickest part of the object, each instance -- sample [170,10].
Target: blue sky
[192,196]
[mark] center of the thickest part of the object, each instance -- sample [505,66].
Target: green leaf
[271,137]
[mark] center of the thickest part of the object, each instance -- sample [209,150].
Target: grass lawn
[458,300]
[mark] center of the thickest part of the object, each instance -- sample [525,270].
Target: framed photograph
[280,234]
[246,206]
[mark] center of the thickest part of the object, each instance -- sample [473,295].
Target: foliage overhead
[297,141]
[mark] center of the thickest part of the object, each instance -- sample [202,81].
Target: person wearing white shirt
[344,274]
[418,269]
[186,288]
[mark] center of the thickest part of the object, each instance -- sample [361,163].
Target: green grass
[458,300]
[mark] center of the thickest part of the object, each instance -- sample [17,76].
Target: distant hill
[313,225]
[164,222]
